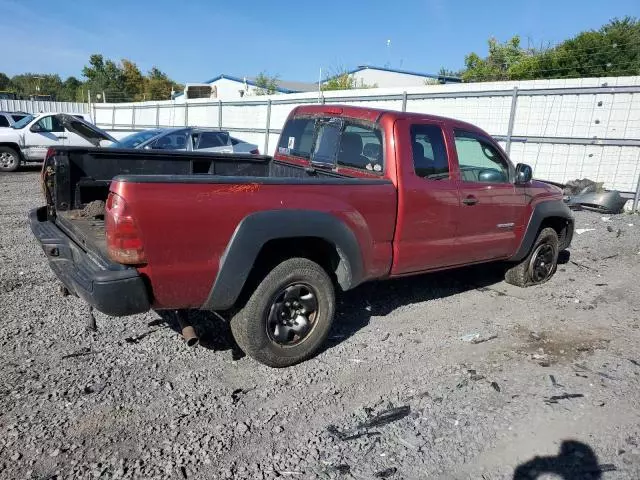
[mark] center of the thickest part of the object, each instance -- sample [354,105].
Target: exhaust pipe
[187,330]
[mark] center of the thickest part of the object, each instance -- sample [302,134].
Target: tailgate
[110,287]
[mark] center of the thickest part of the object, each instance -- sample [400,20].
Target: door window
[50,124]
[3,121]
[172,141]
[430,159]
[479,160]
[212,139]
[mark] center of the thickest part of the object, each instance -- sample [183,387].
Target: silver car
[190,139]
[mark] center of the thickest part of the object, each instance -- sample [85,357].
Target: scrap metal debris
[590,195]
[387,416]
[386,473]
[138,338]
[495,386]
[383,418]
[564,396]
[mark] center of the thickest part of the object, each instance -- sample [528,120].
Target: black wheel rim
[541,262]
[292,314]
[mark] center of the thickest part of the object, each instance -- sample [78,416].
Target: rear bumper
[111,288]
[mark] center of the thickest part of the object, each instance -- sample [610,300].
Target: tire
[9,159]
[297,334]
[541,263]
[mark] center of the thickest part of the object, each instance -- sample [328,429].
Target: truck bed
[79,179]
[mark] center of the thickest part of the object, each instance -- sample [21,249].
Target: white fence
[37,106]
[565,129]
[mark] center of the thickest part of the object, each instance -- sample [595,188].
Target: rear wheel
[287,318]
[9,159]
[541,263]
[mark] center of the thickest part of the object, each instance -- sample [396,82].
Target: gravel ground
[561,381]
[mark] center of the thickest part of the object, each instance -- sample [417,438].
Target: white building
[382,77]
[228,87]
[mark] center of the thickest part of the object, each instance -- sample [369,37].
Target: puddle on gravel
[548,348]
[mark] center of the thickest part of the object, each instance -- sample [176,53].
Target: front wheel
[288,316]
[541,263]
[9,159]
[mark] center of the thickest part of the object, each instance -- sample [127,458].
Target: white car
[28,140]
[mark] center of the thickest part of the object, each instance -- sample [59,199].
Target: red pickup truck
[351,195]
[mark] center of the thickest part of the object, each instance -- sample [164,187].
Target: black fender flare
[256,229]
[543,210]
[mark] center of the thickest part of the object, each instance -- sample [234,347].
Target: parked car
[190,139]
[9,118]
[28,139]
[352,195]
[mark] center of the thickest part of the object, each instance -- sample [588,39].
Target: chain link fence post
[266,133]
[636,197]
[512,119]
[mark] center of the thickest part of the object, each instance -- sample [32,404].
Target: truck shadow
[575,461]
[355,308]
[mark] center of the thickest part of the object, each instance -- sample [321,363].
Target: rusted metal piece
[187,330]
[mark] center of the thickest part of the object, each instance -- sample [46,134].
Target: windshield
[24,122]
[135,139]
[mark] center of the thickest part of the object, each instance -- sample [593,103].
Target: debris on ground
[386,473]
[564,396]
[580,231]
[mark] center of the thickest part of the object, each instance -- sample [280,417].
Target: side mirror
[524,173]
[36,128]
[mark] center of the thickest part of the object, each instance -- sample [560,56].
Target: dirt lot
[561,380]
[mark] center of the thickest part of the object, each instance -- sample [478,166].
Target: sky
[195,40]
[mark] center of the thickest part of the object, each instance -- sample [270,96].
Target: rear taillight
[124,244]
[255,151]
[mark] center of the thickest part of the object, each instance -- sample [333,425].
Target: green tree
[70,91]
[133,80]
[158,85]
[28,84]
[266,84]
[612,50]
[5,82]
[105,76]
[341,79]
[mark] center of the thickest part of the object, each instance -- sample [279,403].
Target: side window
[4,122]
[297,137]
[479,160]
[50,124]
[361,147]
[172,141]
[212,139]
[17,118]
[429,153]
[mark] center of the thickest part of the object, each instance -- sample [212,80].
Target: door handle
[61,137]
[470,200]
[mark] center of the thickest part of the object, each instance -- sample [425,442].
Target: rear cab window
[334,142]
[430,159]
